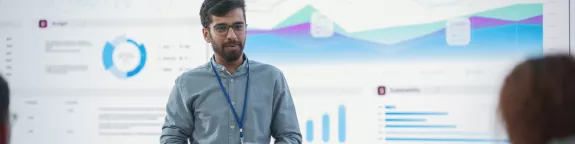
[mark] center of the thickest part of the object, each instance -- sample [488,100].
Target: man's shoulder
[196,73]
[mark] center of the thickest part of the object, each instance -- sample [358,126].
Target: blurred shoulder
[197,74]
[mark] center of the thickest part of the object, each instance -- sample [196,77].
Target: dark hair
[219,8]
[537,100]
[4,99]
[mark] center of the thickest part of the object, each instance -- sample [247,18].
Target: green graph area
[398,34]
[301,16]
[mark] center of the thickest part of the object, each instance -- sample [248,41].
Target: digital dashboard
[360,72]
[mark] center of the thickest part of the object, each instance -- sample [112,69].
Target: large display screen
[360,71]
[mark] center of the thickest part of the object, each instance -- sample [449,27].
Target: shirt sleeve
[179,122]
[285,126]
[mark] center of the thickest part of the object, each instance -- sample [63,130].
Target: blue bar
[416,113]
[342,123]
[404,120]
[389,107]
[325,128]
[445,140]
[420,126]
[309,131]
[438,133]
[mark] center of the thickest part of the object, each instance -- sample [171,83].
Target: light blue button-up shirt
[198,110]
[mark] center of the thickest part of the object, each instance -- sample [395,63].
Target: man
[4,112]
[230,99]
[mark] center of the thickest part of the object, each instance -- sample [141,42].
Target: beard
[227,53]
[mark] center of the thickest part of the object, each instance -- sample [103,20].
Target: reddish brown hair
[537,100]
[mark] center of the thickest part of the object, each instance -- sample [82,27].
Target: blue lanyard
[240,121]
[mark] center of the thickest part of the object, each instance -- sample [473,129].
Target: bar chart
[325,127]
[335,118]
[411,120]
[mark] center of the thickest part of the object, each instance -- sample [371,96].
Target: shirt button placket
[231,90]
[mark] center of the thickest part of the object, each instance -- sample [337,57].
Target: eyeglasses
[222,29]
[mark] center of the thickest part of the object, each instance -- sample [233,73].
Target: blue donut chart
[108,57]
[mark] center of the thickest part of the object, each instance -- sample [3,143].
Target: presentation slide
[360,71]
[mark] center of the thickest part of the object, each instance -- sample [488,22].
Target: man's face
[227,34]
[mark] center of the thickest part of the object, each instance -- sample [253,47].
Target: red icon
[43,23]
[381,90]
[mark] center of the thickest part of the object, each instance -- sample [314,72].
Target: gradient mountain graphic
[521,13]
[505,35]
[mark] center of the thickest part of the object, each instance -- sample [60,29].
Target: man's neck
[230,66]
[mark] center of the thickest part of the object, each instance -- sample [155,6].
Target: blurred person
[4,112]
[537,101]
[230,99]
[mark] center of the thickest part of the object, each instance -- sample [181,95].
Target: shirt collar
[242,69]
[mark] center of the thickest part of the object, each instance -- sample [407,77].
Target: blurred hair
[537,100]
[4,98]
[218,8]
[4,111]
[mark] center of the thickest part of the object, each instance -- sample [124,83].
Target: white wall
[572,27]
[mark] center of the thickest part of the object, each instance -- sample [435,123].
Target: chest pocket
[261,99]
[210,105]
[260,105]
